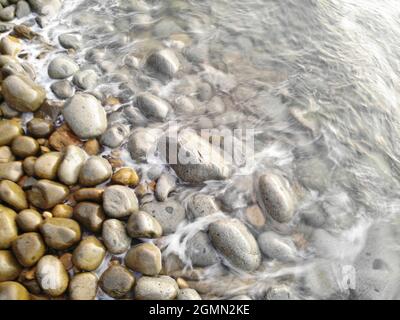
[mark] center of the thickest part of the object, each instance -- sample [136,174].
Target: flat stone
[89,194]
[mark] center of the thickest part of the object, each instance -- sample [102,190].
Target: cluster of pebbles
[75,222]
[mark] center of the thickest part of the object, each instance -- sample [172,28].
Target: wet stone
[8,227]
[202,205]
[85,116]
[24,146]
[115,237]
[39,128]
[144,258]
[60,233]
[169,214]
[143,225]
[156,288]
[46,166]
[90,215]
[126,177]
[9,129]
[70,40]
[234,241]
[62,67]
[63,89]
[11,171]
[52,276]
[22,94]
[71,164]
[89,254]
[29,220]
[10,290]
[119,201]
[28,248]
[83,286]
[9,266]
[117,281]
[96,170]
[85,79]
[12,194]
[276,197]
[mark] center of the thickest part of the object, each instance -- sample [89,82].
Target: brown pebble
[63,137]
[62,211]
[126,177]
[89,194]
[92,147]
[66,260]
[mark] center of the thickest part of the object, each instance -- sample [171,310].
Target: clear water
[318,80]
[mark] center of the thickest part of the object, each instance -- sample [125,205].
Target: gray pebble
[63,89]
[119,201]
[169,214]
[62,67]
[115,237]
[234,241]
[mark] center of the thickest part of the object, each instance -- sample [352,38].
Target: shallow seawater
[318,81]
